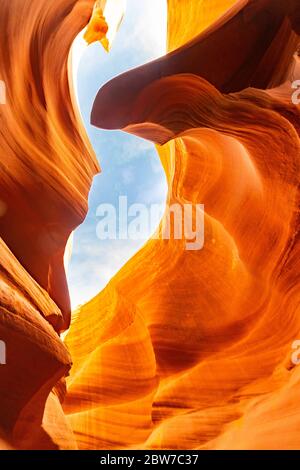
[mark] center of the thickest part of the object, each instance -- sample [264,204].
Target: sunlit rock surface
[183,349]
[47,163]
[191,349]
[47,166]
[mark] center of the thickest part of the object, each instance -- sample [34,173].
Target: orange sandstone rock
[214,326]
[47,166]
[47,161]
[97,28]
[183,349]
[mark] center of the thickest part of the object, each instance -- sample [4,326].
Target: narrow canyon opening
[130,167]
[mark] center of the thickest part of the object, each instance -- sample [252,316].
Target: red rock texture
[47,166]
[183,349]
[194,347]
[47,163]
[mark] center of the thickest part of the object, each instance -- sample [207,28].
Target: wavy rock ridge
[183,349]
[47,166]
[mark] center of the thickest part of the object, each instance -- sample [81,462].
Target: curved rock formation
[191,349]
[252,44]
[47,166]
[183,349]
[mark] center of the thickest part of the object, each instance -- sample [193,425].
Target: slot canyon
[182,349]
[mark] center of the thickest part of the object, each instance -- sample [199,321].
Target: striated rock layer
[191,349]
[183,349]
[46,169]
[47,163]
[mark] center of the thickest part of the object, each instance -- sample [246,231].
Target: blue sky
[130,166]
